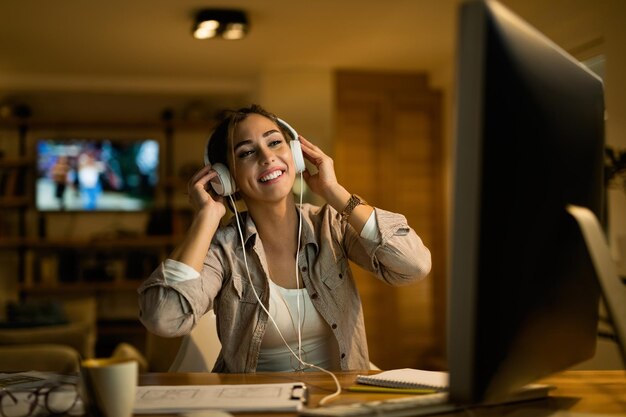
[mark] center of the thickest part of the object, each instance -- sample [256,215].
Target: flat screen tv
[529,142]
[96,174]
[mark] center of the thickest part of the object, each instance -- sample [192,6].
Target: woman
[312,301]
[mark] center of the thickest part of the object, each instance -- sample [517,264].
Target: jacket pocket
[335,274]
[245,291]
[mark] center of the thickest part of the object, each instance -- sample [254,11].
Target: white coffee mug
[108,387]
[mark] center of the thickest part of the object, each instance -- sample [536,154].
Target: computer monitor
[529,141]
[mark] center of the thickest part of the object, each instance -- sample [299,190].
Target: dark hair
[217,148]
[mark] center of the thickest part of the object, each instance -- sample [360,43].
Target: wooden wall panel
[388,149]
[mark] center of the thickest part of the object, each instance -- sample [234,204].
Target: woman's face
[262,160]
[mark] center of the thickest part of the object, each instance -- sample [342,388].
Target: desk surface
[602,392]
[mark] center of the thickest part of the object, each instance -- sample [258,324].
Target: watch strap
[353,202]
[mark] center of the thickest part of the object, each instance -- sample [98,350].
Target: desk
[602,392]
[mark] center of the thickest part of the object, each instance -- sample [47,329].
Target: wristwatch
[354,201]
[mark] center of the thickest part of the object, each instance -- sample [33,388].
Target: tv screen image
[83,174]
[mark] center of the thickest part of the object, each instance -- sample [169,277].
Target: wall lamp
[220,23]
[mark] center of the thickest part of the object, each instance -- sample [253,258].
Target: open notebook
[407,378]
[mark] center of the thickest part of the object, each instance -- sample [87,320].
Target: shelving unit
[17,173]
[14,175]
[93,265]
[15,191]
[107,266]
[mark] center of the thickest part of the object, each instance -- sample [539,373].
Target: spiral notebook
[407,378]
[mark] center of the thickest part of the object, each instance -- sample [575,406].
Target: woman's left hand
[324,181]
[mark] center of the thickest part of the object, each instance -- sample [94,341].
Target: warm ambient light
[220,23]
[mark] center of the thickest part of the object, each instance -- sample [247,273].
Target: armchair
[56,348]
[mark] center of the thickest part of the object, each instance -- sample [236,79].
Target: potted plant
[615,168]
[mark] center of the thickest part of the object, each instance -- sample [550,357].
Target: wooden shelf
[15,173]
[203,125]
[11,243]
[80,287]
[143,242]
[107,266]
[16,162]
[15,201]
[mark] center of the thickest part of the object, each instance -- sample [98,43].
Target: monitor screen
[529,141]
[87,174]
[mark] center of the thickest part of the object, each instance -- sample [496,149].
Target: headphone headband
[285,125]
[281,123]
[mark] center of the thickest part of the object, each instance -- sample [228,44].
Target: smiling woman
[277,275]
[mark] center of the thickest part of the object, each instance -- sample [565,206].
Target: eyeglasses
[54,398]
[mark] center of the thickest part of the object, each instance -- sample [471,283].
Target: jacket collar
[250,232]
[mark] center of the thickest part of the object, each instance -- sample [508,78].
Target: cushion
[34,314]
[41,357]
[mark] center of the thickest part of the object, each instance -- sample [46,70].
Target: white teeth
[271,176]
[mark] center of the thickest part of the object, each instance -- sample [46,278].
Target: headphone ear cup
[223,183]
[298,158]
[296,148]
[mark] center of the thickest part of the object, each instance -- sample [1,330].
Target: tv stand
[613,289]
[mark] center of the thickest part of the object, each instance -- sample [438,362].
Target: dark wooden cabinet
[389,148]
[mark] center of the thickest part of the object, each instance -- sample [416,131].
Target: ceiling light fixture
[220,23]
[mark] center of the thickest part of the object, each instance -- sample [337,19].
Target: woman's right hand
[210,209]
[201,194]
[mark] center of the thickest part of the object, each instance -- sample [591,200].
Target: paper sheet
[160,399]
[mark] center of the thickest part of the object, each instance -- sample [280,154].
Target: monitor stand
[613,289]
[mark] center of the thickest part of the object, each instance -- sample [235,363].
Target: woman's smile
[267,177]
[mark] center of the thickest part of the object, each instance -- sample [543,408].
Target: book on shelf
[3,180]
[407,378]
[49,270]
[12,181]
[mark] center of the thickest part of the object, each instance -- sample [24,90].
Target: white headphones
[224,183]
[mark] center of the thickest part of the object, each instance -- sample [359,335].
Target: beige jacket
[172,309]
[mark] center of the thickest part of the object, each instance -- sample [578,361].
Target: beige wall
[615,82]
[305,96]
[587,28]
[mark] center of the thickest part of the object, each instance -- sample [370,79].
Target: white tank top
[319,346]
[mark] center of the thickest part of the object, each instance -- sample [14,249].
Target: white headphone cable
[329,397]
[297,270]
